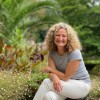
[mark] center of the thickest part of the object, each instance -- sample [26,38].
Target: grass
[95,87]
[12,86]
[15,86]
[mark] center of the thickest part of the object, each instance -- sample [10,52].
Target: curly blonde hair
[73,40]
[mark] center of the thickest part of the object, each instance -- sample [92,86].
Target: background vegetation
[23,25]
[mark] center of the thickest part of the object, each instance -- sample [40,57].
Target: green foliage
[1,44]
[15,59]
[19,86]
[12,86]
[87,61]
[36,80]
[25,15]
[34,17]
[85,17]
[95,88]
[96,70]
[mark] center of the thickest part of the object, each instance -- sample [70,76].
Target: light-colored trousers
[72,88]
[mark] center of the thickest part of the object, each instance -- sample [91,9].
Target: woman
[68,77]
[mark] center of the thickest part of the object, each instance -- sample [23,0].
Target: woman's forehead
[61,29]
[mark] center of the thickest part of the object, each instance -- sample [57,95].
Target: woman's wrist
[51,76]
[49,70]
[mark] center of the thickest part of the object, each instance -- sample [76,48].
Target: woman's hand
[57,84]
[46,70]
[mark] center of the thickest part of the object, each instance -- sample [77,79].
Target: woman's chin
[60,46]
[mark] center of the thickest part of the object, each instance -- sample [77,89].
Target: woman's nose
[61,38]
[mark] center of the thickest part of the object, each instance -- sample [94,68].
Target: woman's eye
[64,36]
[57,35]
[61,35]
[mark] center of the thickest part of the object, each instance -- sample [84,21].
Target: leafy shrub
[96,69]
[14,58]
[18,86]
[95,88]
[12,86]
[33,85]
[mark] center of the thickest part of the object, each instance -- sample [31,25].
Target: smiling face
[60,38]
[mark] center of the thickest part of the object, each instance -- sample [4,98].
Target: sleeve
[75,55]
[51,54]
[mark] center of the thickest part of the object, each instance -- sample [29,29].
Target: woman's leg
[45,92]
[73,89]
[51,95]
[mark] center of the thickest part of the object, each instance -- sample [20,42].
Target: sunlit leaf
[1,45]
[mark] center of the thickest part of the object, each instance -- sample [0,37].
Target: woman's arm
[51,65]
[70,70]
[55,79]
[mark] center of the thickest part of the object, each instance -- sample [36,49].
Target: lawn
[95,87]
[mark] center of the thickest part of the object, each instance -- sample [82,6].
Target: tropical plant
[24,15]
[84,16]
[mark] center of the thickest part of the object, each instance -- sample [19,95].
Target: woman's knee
[49,96]
[46,80]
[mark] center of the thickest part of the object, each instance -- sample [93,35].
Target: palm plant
[25,14]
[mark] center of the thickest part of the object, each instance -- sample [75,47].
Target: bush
[95,87]
[12,86]
[17,86]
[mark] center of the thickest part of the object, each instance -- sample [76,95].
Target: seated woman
[68,77]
